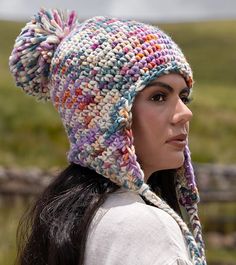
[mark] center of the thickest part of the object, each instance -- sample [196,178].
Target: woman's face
[160,123]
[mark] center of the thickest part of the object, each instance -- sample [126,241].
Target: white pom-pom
[34,48]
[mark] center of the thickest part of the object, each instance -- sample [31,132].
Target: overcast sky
[148,10]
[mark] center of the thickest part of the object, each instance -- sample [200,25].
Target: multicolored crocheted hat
[91,72]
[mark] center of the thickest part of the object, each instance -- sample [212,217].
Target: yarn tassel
[195,250]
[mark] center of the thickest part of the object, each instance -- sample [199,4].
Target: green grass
[218,217]
[221,256]
[210,47]
[213,127]
[10,213]
[32,134]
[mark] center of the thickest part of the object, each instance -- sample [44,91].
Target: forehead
[172,79]
[172,82]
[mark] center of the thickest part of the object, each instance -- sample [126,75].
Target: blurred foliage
[218,217]
[210,47]
[32,134]
[9,218]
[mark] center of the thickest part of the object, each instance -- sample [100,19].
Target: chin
[179,161]
[175,161]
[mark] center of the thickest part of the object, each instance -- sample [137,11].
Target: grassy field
[9,219]
[31,133]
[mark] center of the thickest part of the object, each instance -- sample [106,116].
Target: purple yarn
[189,172]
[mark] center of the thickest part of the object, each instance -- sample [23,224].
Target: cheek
[153,121]
[141,120]
[148,128]
[187,126]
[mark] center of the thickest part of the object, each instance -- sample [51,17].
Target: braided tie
[196,250]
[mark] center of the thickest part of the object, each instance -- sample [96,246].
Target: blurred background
[33,144]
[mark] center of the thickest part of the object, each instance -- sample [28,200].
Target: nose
[182,113]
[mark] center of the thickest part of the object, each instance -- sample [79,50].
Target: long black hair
[54,231]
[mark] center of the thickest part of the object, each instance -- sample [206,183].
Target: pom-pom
[34,48]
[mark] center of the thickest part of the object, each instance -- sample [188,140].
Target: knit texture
[91,72]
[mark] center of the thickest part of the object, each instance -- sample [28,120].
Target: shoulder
[125,223]
[138,220]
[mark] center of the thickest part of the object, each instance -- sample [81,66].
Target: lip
[178,141]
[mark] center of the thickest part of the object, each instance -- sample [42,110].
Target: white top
[127,231]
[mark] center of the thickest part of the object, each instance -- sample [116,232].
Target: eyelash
[158,96]
[186,100]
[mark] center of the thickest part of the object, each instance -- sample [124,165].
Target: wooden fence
[216,183]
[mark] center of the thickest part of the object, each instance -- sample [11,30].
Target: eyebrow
[167,86]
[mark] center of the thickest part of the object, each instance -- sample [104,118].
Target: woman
[129,195]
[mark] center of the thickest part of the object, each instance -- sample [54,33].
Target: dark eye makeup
[186,99]
[161,97]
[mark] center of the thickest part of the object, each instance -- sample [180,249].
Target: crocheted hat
[91,72]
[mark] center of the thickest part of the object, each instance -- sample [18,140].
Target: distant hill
[146,10]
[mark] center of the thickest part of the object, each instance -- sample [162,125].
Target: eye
[186,99]
[158,97]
